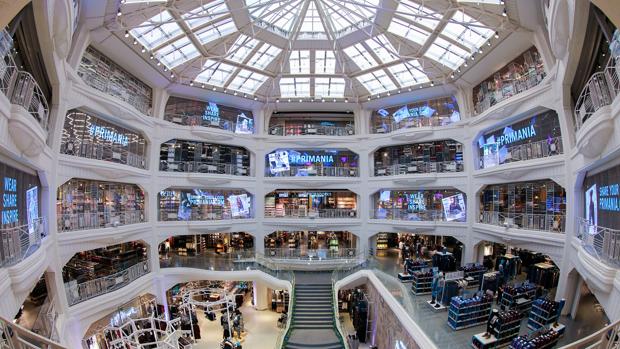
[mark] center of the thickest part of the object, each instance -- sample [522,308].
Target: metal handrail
[17,243]
[605,338]
[114,154]
[291,212]
[600,91]
[197,120]
[285,335]
[601,242]
[551,222]
[311,254]
[529,151]
[399,214]
[213,213]
[314,130]
[97,220]
[433,121]
[318,171]
[14,336]
[419,167]
[8,72]
[168,333]
[522,83]
[28,94]
[77,293]
[213,167]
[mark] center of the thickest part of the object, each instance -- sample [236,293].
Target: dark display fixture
[420,205]
[307,162]
[536,205]
[311,203]
[523,73]
[429,157]
[204,204]
[88,136]
[88,204]
[21,198]
[189,156]
[189,112]
[311,124]
[535,137]
[434,112]
[101,73]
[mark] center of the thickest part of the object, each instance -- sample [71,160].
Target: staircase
[313,325]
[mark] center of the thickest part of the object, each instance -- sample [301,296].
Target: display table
[478,341]
[405,277]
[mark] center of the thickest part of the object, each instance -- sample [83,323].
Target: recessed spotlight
[452,75]
[346,100]
[479,50]
[235,93]
[277,100]
[191,83]
[245,95]
[323,100]
[334,100]
[165,69]
[158,63]
[388,93]
[119,13]
[214,88]
[289,100]
[465,64]
[497,35]
[368,97]
[409,89]
[421,85]
[151,57]
[203,86]
[489,43]
[135,42]
[256,98]
[126,33]
[398,91]
[504,13]
[472,57]
[172,75]
[458,70]
[300,100]
[143,49]
[432,83]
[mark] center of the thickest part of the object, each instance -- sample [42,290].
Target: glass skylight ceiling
[326,48]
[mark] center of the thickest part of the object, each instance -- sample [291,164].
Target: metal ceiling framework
[310,50]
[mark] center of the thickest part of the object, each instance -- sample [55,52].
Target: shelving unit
[546,332]
[521,301]
[540,317]
[460,317]
[382,241]
[474,277]
[421,284]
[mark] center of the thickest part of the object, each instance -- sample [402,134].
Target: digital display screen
[385,195]
[239,205]
[490,155]
[401,114]
[10,212]
[245,125]
[454,207]
[279,161]
[32,208]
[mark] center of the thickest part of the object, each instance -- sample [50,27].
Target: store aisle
[260,326]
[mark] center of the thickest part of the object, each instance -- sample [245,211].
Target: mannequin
[436,288]
[492,322]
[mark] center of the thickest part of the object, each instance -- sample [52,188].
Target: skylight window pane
[408,31]
[278,14]
[350,14]
[382,48]
[216,31]
[409,73]
[247,81]
[360,56]
[206,13]
[329,87]
[376,82]
[215,73]
[312,21]
[295,87]
[300,62]
[265,55]
[177,53]
[418,13]
[446,53]
[325,62]
[471,34]
[241,48]
[157,30]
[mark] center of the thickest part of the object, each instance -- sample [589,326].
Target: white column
[261,296]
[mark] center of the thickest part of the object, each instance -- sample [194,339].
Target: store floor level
[260,327]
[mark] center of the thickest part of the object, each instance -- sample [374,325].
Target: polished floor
[261,330]
[435,325]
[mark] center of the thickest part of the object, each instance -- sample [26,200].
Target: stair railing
[286,334]
[336,323]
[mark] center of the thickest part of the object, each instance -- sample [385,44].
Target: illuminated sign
[511,136]
[304,158]
[108,134]
[211,113]
[608,198]
[32,207]
[416,202]
[10,214]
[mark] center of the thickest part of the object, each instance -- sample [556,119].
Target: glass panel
[376,82]
[247,81]
[300,62]
[360,56]
[473,34]
[382,48]
[408,31]
[409,73]
[329,87]
[216,31]
[265,55]
[215,73]
[178,52]
[205,13]
[242,48]
[446,53]
[325,62]
[157,30]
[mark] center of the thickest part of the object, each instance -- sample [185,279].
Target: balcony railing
[534,150]
[13,336]
[551,222]
[197,120]
[97,220]
[511,88]
[600,91]
[107,153]
[388,127]
[603,243]
[17,243]
[311,254]
[419,167]
[311,130]
[77,293]
[314,171]
[210,214]
[166,334]
[28,94]
[8,72]
[290,212]
[226,261]
[204,167]
[399,214]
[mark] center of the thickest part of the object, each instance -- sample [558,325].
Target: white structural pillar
[261,295]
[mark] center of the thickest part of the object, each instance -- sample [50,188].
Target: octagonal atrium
[309,174]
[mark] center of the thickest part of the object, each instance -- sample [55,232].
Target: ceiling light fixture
[409,88]
[388,93]
[245,95]
[191,83]
[497,35]
[126,33]
[214,88]
[323,100]
[135,42]
[277,100]
[334,100]
[489,43]
[300,100]
[151,57]
[143,49]
[504,13]
[158,63]
[289,100]
[165,69]
[346,100]
[119,13]
[432,83]
[203,85]
[172,75]
[256,98]
[235,93]
[452,75]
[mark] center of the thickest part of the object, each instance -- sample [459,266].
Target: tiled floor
[261,329]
